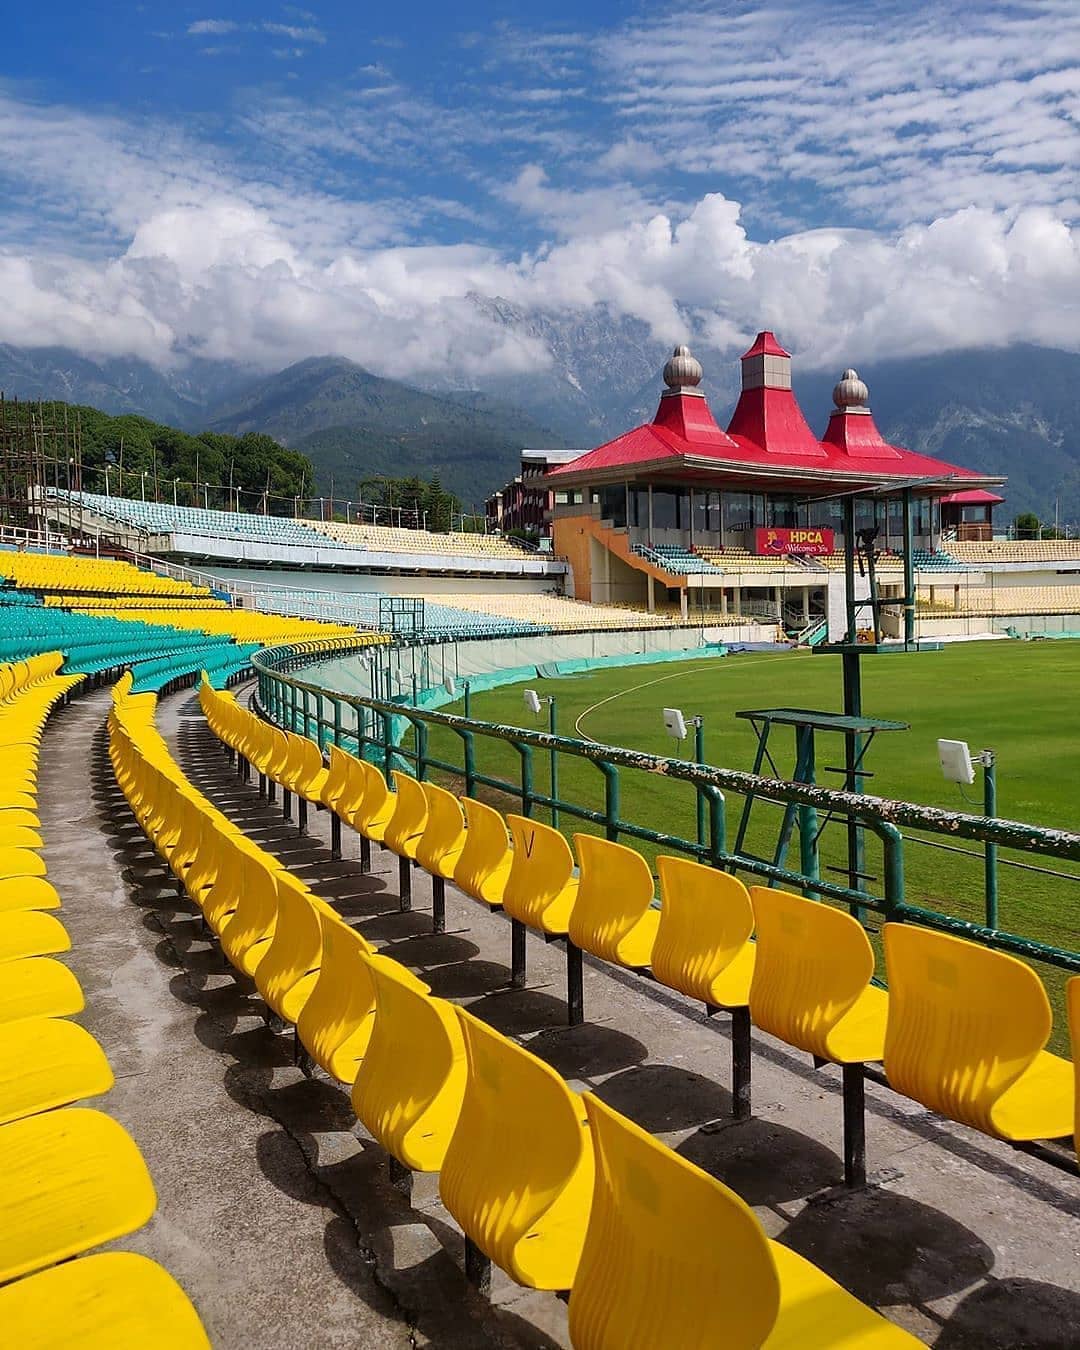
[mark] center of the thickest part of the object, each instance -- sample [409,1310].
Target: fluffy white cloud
[233,279]
[120,238]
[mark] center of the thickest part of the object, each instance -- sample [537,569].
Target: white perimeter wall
[349,583]
[433,663]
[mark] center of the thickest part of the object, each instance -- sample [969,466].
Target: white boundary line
[647,684]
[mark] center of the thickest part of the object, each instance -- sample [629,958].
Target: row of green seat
[221,664]
[93,644]
[556,1188]
[799,970]
[73,1177]
[161,656]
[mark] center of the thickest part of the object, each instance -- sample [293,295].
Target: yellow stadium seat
[484,865]
[613,916]
[27,893]
[410,1100]
[542,885]
[703,950]
[376,806]
[302,775]
[811,988]
[540,893]
[245,936]
[337,770]
[518,1174]
[18,836]
[404,830]
[333,792]
[967,1033]
[73,1179]
[345,798]
[47,1062]
[19,815]
[21,862]
[348,801]
[672,1257]
[110,1301]
[221,900]
[215,842]
[440,847]
[287,973]
[336,1022]
[31,932]
[38,986]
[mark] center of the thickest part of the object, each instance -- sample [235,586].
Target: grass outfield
[1016,697]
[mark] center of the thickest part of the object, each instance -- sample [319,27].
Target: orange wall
[571,539]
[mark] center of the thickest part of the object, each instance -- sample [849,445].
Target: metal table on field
[858,733]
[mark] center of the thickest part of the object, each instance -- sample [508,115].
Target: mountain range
[1014,410]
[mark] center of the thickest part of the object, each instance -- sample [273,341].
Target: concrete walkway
[281,1221]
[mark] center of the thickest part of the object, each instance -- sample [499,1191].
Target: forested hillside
[209,468]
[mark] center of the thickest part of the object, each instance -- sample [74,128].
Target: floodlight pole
[554,765]
[909,569]
[990,809]
[699,756]
[852,677]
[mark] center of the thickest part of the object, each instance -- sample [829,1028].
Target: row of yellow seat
[73,1177]
[65,600]
[60,572]
[556,1188]
[800,970]
[241,624]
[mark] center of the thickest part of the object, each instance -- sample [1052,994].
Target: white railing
[33,538]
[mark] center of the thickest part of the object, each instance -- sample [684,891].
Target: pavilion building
[750,519]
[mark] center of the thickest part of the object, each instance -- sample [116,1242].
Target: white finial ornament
[682,371]
[851,394]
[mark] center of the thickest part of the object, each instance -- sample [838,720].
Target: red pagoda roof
[767,440]
[765,344]
[972,497]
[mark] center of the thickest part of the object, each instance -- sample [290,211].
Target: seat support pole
[286,804]
[438,905]
[477,1268]
[404,884]
[854,1125]
[740,1063]
[517,954]
[335,836]
[262,785]
[575,994]
[301,814]
[271,789]
[401,1177]
[365,854]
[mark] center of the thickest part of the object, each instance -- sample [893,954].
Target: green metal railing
[374,727]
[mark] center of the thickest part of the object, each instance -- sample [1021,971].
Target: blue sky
[257,182]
